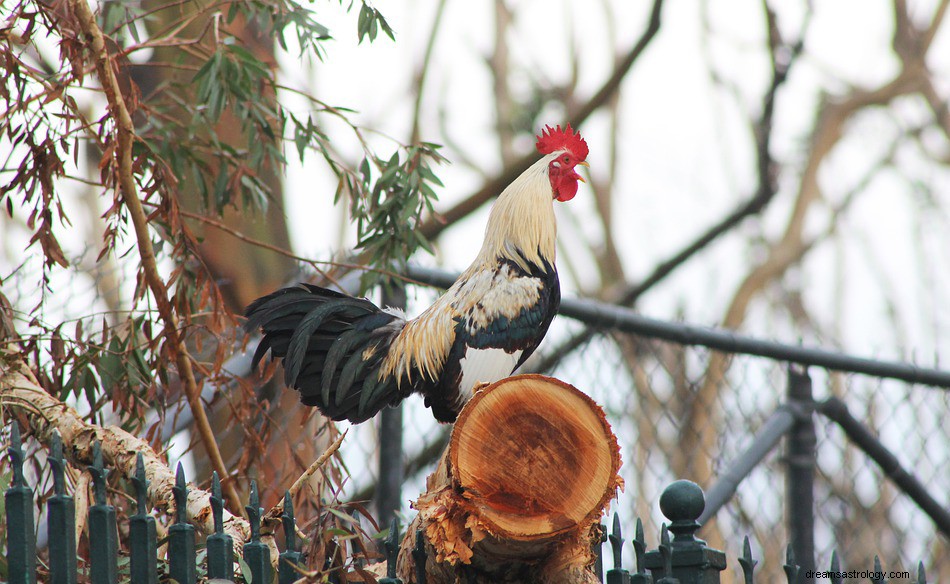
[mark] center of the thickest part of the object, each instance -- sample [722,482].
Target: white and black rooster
[350,358]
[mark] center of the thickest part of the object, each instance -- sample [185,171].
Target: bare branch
[763,195]
[436,225]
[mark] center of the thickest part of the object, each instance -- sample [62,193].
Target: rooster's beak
[582,163]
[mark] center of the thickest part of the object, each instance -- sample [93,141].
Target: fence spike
[419,557]
[391,546]
[639,547]
[617,575]
[254,511]
[104,547]
[791,568]
[180,492]
[58,463]
[287,518]
[143,537]
[878,575]
[921,574]
[290,558]
[61,518]
[391,550]
[16,456]
[835,568]
[220,545]
[21,537]
[140,483]
[99,474]
[746,561]
[181,535]
[217,503]
[256,554]
[666,552]
[616,542]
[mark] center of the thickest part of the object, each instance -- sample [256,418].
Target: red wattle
[566,189]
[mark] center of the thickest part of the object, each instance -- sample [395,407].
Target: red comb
[554,139]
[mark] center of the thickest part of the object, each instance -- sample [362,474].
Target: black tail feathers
[332,346]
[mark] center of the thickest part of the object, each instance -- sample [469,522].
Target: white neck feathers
[521,226]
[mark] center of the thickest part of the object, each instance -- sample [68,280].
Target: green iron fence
[139,561]
[680,558]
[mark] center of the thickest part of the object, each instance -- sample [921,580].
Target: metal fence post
[219,544]
[686,559]
[61,521]
[389,486]
[143,536]
[256,553]
[290,558]
[800,476]
[21,538]
[181,536]
[103,533]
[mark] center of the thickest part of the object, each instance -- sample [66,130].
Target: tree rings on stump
[534,456]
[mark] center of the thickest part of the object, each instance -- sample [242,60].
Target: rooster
[350,358]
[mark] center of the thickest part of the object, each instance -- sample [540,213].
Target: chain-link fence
[686,411]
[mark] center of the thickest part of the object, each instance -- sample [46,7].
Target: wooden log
[519,493]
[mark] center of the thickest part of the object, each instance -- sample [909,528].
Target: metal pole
[389,485]
[608,316]
[800,476]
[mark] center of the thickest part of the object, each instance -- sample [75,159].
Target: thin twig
[272,517]
[125,131]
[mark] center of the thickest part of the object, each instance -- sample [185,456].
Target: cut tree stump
[519,493]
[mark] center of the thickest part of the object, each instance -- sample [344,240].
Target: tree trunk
[518,494]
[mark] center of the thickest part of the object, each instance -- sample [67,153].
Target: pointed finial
[392,548]
[58,463]
[99,474]
[287,517]
[180,492]
[666,552]
[746,561]
[16,456]
[921,574]
[217,503]
[419,556]
[878,575]
[140,482]
[835,568]
[254,512]
[640,547]
[616,542]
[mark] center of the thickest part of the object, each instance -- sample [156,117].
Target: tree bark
[518,494]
